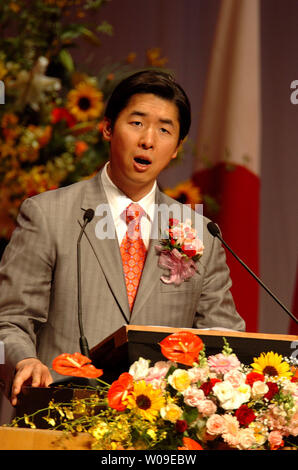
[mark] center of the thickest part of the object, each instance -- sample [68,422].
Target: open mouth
[142,161]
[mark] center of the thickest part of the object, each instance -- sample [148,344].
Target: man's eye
[136,123]
[164,131]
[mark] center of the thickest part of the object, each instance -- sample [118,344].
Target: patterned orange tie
[133,251]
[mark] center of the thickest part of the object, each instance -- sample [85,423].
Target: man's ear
[106,129]
[179,146]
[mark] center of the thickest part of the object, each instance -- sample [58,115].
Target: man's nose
[147,139]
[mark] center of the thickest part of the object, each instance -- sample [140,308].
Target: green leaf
[105,28]
[190,414]
[66,60]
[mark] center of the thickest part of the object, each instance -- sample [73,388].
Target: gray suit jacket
[38,281]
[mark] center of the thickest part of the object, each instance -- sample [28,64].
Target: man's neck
[133,192]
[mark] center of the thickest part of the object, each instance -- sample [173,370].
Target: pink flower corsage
[179,252]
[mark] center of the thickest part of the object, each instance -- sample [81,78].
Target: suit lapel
[151,272]
[106,249]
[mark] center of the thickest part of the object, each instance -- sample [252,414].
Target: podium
[117,352]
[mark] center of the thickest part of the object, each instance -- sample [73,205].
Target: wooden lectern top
[118,351]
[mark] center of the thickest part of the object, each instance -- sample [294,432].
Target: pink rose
[198,374]
[193,396]
[246,439]
[235,377]
[215,425]
[159,370]
[206,407]
[293,426]
[275,439]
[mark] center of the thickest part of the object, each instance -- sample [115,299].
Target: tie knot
[134,212]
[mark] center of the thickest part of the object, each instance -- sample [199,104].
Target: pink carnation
[220,363]
[231,432]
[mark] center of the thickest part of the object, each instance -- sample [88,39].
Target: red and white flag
[227,167]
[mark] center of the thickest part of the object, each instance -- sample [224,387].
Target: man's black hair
[154,82]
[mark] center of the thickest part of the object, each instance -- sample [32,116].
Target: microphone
[214,230]
[88,216]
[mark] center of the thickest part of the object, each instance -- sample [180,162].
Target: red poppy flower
[190,444]
[119,391]
[75,365]
[182,347]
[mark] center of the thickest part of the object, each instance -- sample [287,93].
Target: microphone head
[88,215]
[213,229]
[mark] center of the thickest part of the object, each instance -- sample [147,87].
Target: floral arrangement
[190,401]
[186,192]
[179,251]
[51,122]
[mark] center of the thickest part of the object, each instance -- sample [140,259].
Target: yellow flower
[85,102]
[271,364]
[171,412]
[260,432]
[151,433]
[145,400]
[99,430]
[180,380]
[186,193]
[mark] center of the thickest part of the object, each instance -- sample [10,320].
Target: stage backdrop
[189,35]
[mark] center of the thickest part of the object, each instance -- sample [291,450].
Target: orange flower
[182,347]
[80,148]
[131,58]
[45,136]
[75,365]
[190,444]
[119,390]
[294,371]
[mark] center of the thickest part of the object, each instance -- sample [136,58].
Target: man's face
[144,140]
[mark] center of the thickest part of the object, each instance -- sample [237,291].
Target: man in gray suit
[147,117]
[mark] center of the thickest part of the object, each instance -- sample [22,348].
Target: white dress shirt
[118,202]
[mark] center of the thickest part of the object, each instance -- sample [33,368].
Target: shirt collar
[119,201]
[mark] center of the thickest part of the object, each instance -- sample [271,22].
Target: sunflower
[186,193]
[145,400]
[271,364]
[85,102]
